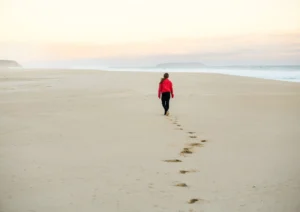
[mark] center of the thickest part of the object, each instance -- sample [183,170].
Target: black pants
[165,99]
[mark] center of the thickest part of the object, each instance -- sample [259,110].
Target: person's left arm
[159,90]
[172,91]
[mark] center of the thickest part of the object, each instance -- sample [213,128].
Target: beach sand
[93,141]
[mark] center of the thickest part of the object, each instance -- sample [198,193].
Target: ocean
[282,73]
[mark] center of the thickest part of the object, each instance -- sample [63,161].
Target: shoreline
[157,70]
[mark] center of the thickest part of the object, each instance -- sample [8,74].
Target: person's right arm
[159,90]
[172,93]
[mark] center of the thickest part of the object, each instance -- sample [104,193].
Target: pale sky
[41,29]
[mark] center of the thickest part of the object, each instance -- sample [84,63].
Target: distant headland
[180,65]
[9,64]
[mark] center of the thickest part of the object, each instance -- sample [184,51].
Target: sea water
[283,73]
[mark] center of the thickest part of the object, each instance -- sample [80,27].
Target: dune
[76,140]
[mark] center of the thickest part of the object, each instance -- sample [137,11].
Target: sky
[214,31]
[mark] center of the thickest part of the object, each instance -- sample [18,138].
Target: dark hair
[166,76]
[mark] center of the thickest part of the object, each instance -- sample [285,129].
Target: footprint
[186,151]
[192,201]
[193,136]
[191,132]
[195,144]
[173,161]
[181,185]
[186,171]
[203,140]
[178,125]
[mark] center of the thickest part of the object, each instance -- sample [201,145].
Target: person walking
[165,92]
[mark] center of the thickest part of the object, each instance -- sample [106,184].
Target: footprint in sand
[203,141]
[192,201]
[186,171]
[186,151]
[191,132]
[173,161]
[193,136]
[181,185]
[195,144]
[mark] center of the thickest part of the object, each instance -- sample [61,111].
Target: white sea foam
[283,73]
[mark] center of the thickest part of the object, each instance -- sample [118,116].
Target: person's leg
[164,98]
[168,96]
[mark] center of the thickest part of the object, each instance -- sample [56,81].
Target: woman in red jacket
[165,92]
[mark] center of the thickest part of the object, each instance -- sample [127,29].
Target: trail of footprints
[189,149]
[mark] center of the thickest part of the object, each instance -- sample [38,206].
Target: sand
[97,141]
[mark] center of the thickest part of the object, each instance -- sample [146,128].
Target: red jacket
[165,86]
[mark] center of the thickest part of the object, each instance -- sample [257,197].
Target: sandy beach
[90,141]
